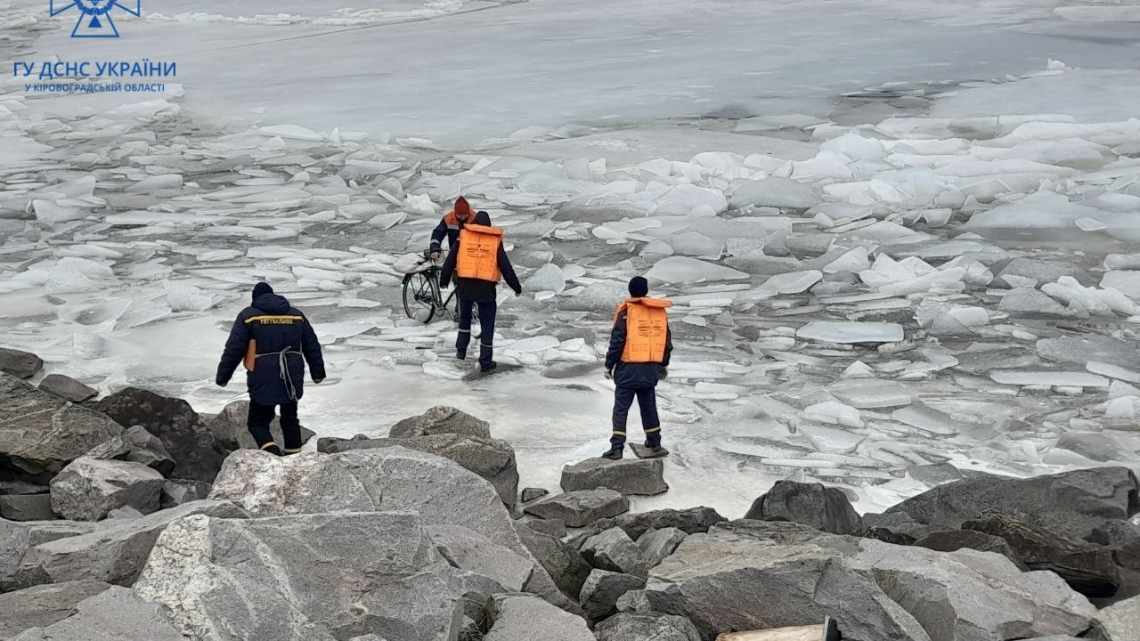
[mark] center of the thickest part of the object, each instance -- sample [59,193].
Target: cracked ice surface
[911,279]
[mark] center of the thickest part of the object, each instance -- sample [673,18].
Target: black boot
[614,453]
[272,449]
[486,357]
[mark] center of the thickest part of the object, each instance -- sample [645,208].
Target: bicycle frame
[430,272]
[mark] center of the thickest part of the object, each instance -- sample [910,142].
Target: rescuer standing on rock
[640,347]
[272,338]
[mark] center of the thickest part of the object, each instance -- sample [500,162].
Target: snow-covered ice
[895,260]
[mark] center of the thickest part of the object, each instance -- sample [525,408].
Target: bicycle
[423,297]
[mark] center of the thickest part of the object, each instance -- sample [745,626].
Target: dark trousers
[487,309]
[260,416]
[647,403]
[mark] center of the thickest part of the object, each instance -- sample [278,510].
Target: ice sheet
[840,323]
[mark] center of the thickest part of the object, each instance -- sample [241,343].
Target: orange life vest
[452,220]
[646,329]
[479,253]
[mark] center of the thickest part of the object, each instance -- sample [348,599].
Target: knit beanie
[261,288]
[638,287]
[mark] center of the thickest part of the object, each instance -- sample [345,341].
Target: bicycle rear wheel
[419,297]
[451,308]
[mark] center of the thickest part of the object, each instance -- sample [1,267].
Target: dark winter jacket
[634,375]
[276,327]
[478,290]
[448,227]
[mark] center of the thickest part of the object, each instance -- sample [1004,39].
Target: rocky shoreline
[132,517]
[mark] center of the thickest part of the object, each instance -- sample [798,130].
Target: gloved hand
[518,292]
[609,375]
[221,382]
[663,374]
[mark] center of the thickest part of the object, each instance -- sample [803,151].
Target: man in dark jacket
[272,337]
[449,227]
[636,361]
[479,287]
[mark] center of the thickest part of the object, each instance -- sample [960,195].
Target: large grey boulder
[750,575]
[899,528]
[533,494]
[137,446]
[67,388]
[26,507]
[40,433]
[43,605]
[563,562]
[441,420]
[381,480]
[493,459]
[174,422]
[823,508]
[88,489]
[580,508]
[311,577]
[1085,498]
[690,521]
[1089,569]
[612,550]
[19,364]
[656,545]
[627,626]
[1120,621]
[231,431]
[115,614]
[521,617]
[553,527]
[473,552]
[377,480]
[22,488]
[17,538]
[951,540]
[178,491]
[602,590]
[113,552]
[644,477]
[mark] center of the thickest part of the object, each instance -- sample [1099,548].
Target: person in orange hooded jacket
[641,346]
[449,227]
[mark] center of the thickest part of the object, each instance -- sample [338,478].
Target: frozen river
[461,72]
[983,200]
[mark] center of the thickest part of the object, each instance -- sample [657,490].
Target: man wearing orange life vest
[478,261]
[640,348]
[449,227]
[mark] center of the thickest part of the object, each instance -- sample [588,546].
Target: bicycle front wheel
[419,297]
